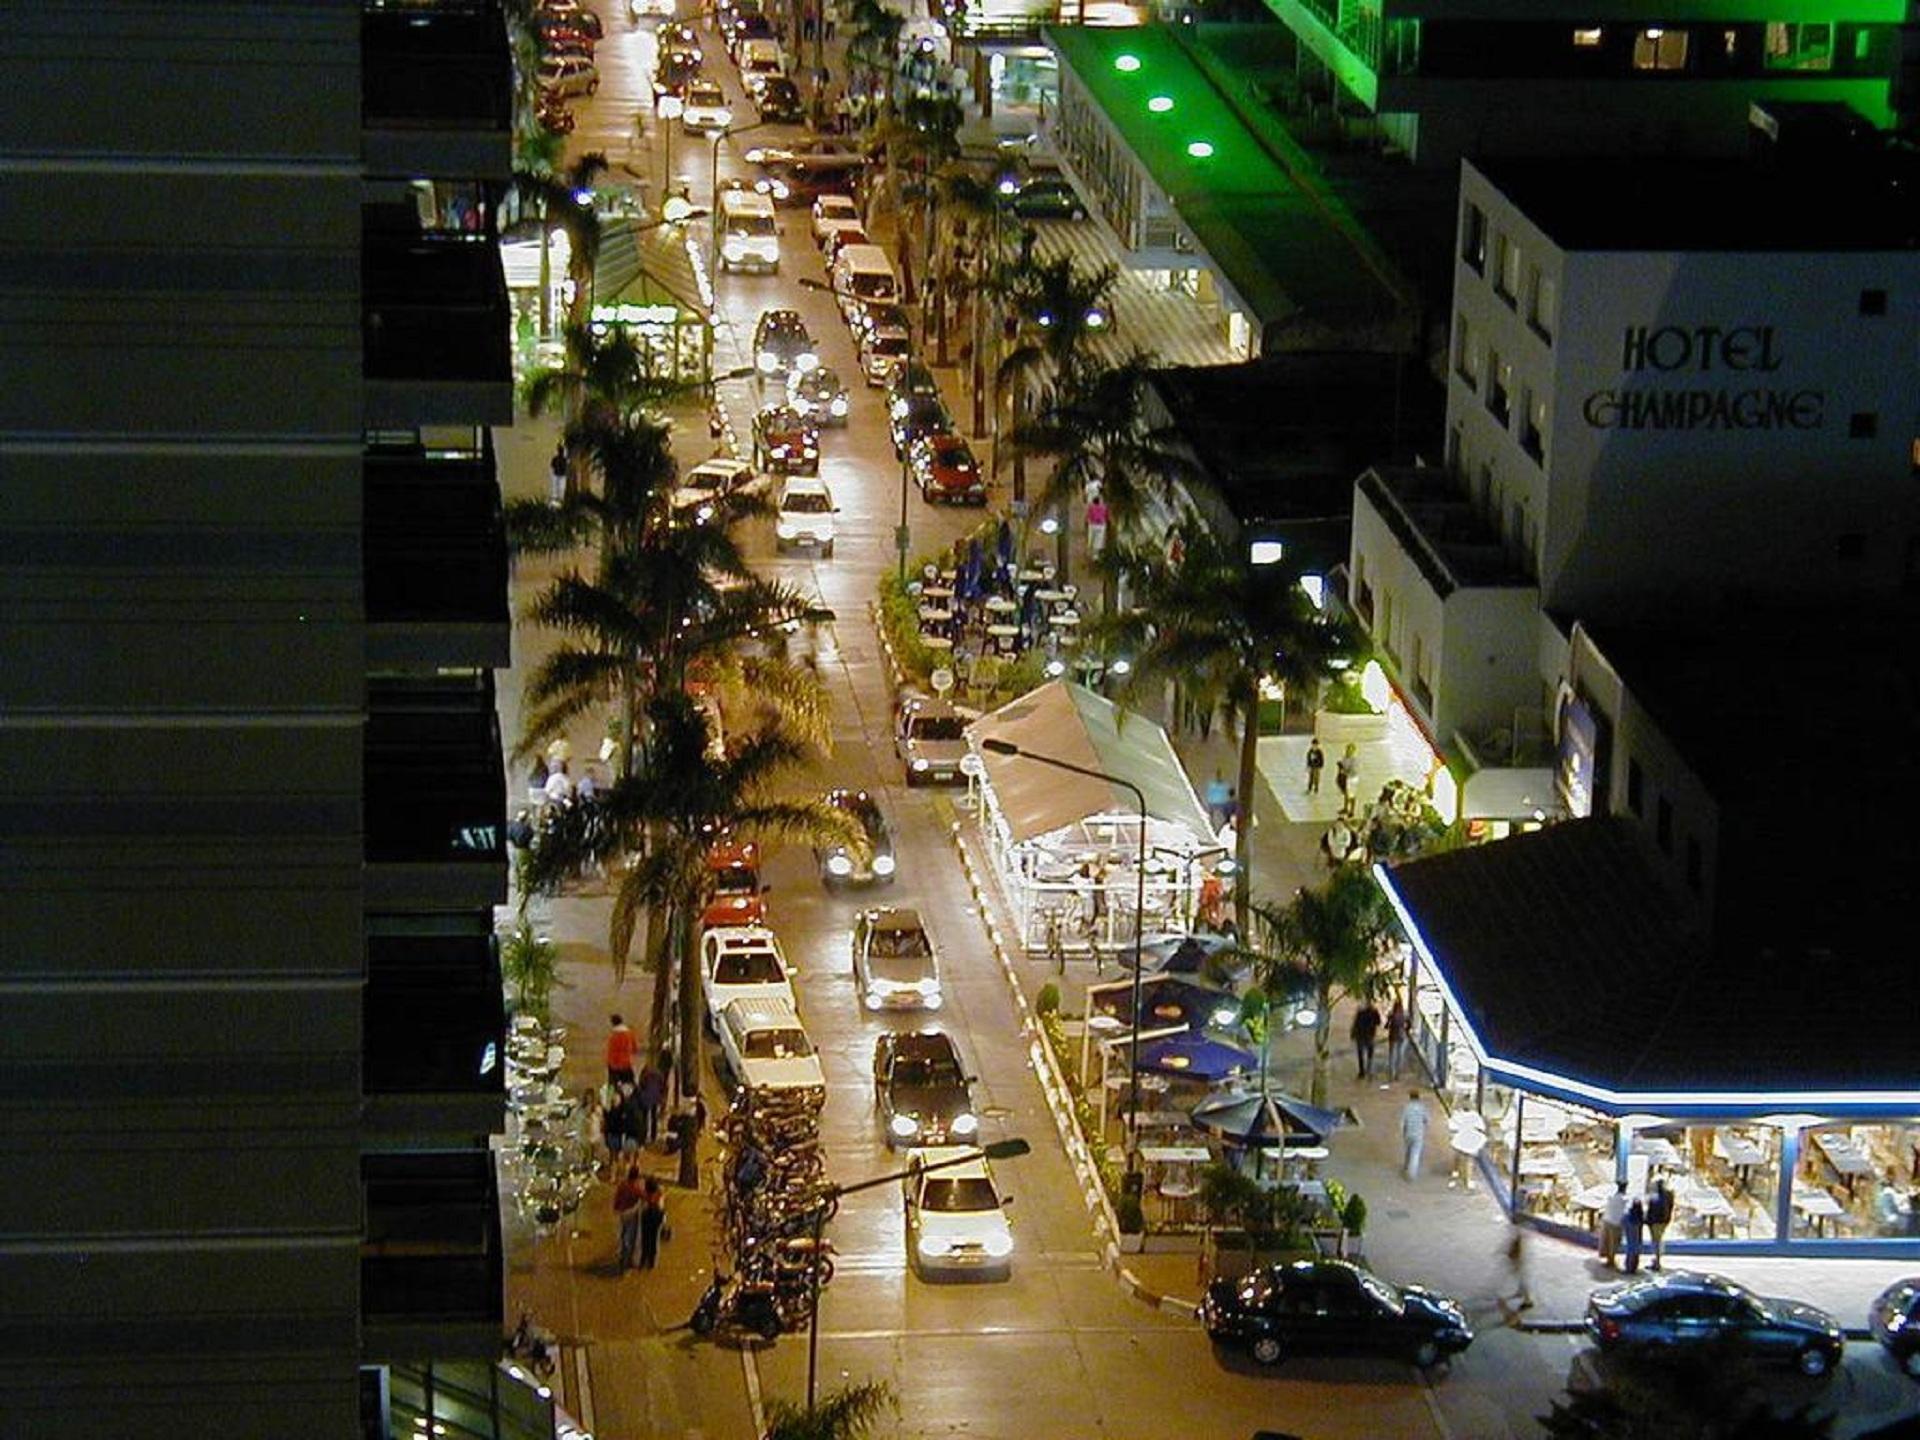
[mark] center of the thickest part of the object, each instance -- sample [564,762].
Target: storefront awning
[1069,722]
[645,266]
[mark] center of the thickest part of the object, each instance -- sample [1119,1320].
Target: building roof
[1284,249]
[1667,204]
[1568,955]
[1454,545]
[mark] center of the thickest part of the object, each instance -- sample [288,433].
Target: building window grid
[1473,238]
[1533,424]
[1506,269]
[1543,302]
[1660,48]
[1499,386]
[1466,351]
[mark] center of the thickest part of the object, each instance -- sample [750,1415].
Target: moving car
[883,345]
[916,416]
[1047,197]
[567,75]
[832,213]
[746,32]
[1331,1306]
[930,737]
[765,1047]
[819,394]
[749,234]
[704,107]
[921,1089]
[945,470]
[894,964]
[1894,1321]
[679,35]
[785,442]
[737,895]
[857,864]
[1679,1310]
[781,343]
[693,498]
[908,379]
[777,100]
[806,516]
[759,56]
[743,962]
[817,148]
[674,72]
[956,1216]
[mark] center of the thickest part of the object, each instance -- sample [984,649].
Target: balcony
[436,89]
[435,795]
[431,1277]
[435,325]
[435,551]
[434,1034]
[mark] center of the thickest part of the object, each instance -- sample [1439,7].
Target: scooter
[732,1300]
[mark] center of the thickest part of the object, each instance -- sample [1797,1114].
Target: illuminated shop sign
[1722,402]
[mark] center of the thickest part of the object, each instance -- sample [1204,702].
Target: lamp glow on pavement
[1050,525]
[1160,104]
[1126,63]
[1200,149]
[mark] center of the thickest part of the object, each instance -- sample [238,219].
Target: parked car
[759,56]
[878,315]
[1331,1306]
[765,1047]
[1894,1321]
[839,237]
[1047,197]
[737,896]
[921,1089]
[956,1216]
[945,470]
[834,212]
[678,35]
[806,516]
[742,962]
[857,864]
[819,394]
[747,31]
[930,736]
[782,343]
[700,487]
[1679,1310]
[704,107]
[558,33]
[785,442]
[908,379]
[777,100]
[917,416]
[567,75]
[894,964]
[883,345]
[574,13]
[793,182]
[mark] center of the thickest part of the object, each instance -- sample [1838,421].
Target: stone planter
[1172,1242]
[1230,1254]
[1337,731]
[1132,1242]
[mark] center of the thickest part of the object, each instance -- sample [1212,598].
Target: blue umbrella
[1194,1057]
[1264,1119]
[1180,954]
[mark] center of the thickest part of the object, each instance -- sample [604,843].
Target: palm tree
[873,39]
[963,263]
[1215,624]
[845,1414]
[605,370]
[918,137]
[565,198]
[1056,309]
[1328,942]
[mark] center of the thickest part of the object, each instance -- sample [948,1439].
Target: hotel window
[1543,304]
[1635,782]
[1499,385]
[1533,423]
[1659,49]
[1473,237]
[1588,37]
[1793,46]
[1466,351]
[1663,825]
[1506,268]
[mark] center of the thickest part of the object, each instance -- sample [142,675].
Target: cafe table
[1706,1202]
[1659,1150]
[1741,1153]
[935,615]
[1847,1156]
[1554,1162]
[936,642]
[1001,605]
[936,592]
[1818,1206]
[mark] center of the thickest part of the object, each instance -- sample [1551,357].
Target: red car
[944,468]
[737,897]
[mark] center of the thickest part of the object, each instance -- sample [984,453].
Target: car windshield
[839,207]
[889,345]
[953,456]
[705,95]
[953,1197]
[938,727]
[921,1072]
[736,880]
[778,1045]
[805,503]
[1383,1295]
[892,943]
[748,967]
[756,225]
[705,480]
[873,286]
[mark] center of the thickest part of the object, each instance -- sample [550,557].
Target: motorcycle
[535,1347]
[732,1300]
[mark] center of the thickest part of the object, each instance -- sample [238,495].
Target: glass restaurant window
[1660,49]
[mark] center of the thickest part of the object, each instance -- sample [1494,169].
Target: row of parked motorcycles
[775,1200]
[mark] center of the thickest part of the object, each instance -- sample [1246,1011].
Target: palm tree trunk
[1243,817]
[659,966]
[688,936]
[1322,1046]
[546,274]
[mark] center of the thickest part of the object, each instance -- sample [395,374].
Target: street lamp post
[1007,747]
[998,1150]
[902,536]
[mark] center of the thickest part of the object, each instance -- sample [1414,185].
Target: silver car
[930,736]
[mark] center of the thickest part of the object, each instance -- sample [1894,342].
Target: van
[862,273]
[765,1047]
[749,234]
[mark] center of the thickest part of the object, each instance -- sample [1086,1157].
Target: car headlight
[927,987]
[785,529]
[767,364]
[932,1246]
[883,864]
[805,361]
[964,1124]
[722,119]
[919,762]
[931,999]
[874,999]
[839,865]
[905,1126]
[839,406]
[703,514]
[898,408]
[999,1245]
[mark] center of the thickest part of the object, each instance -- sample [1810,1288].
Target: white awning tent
[1058,838]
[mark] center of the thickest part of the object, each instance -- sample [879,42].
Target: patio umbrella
[1194,1057]
[1264,1119]
[1180,954]
[1167,1001]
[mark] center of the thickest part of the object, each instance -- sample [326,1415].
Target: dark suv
[781,343]
[920,1090]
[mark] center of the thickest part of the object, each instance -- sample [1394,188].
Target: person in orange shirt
[621,1045]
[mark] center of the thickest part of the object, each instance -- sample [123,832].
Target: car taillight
[1609,1328]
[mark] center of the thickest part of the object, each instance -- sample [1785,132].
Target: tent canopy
[1070,722]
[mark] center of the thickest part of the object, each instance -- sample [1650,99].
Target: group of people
[630,1121]
[1397,824]
[1346,773]
[1627,1221]
[1365,1032]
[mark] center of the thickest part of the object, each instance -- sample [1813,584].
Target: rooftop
[1454,545]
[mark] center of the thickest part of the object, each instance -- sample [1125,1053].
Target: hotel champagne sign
[1703,377]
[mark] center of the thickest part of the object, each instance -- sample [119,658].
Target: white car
[956,1217]
[765,1047]
[743,962]
[704,108]
[930,737]
[832,213]
[806,515]
[894,964]
[760,57]
[568,75]
[705,483]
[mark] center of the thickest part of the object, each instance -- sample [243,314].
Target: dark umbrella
[1263,1120]
[1181,954]
[1003,543]
[1167,1001]
[1194,1057]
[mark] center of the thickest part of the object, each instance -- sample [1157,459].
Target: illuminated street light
[1200,149]
[1160,104]
[1126,63]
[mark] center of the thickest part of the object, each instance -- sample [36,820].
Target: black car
[854,865]
[1047,198]
[1331,1306]
[921,1090]
[911,378]
[914,416]
[1895,1323]
[777,99]
[782,343]
[1681,1310]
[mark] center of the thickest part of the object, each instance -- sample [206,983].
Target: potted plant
[528,964]
[1249,1225]
[1131,1219]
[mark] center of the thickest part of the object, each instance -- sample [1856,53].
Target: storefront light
[1266,552]
[1316,588]
[1200,149]
[1444,791]
[1160,104]
[1126,62]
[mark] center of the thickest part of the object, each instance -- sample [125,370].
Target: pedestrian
[613,1126]
[1522,1296]
[557,475]
[1336,842]
[1636,1220]
[559,786]
[1345,773]
[520,830]
[1096,525]
[1659,1216]
[1413,1133]
[627,1198]
[593,1127]
[650,1094]
[1316,762]
[1219,798]
[1399,1031]
[1613,1219]
[1365,1031]
[653,1220]
[1467,1130]
[622,1043]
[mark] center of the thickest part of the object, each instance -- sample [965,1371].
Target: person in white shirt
[1413,1133]
[1613,1221]
[559,786]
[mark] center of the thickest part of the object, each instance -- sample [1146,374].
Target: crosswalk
[1177,328]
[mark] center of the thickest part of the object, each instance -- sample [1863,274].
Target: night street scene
[887,719]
